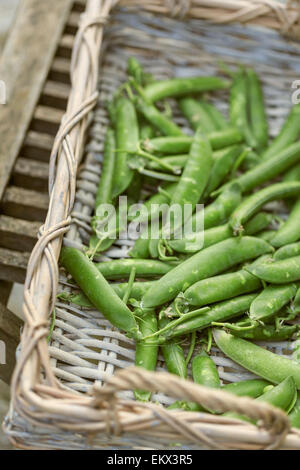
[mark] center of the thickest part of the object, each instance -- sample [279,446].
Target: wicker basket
[75,393]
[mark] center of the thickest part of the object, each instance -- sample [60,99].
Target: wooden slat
[31,174]
[72,24]
[18,234]
[10,326]
[24,204]
[37,146]
[5,290]
[60,70]
[46,119]
[13,265]
[55,94]
[38,27]
[65,46]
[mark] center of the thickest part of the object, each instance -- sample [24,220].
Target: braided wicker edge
[46,403]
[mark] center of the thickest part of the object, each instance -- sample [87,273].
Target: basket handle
[272,419]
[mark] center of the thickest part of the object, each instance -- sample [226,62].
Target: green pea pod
[288,134]
[289,232]
[256,359]
[176,145]
[222,287]
[206,263]
[146,350]
[175,161]
[196,241]
[220,312]
[127,137]
[222,167]
[271,300]
[238,108]
[247,388]
[137,292]
[297,301]
[268,169]
[197,115]
[157,119]
[216,116]
[173,354]
[97,290]
[278,272]
[293,174]
[121,268]
[267,333]
[295,414]
[252,204]
[173,87]
[288,251]
[258,118]
[282,396]
[205,373]
[266,235]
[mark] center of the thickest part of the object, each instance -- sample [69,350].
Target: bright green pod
[256,359]
[173,353]
[197,115]
[121,268]
[174,87]
[271,300]
[278,272]
[289,231]
[206,263]
[267,333]
[247,388]
[258,118]
[288,251]
[146,350]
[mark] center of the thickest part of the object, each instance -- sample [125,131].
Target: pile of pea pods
[232,285]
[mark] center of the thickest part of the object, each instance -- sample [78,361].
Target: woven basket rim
[104,411]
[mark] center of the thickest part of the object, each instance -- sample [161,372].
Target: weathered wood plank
[24,204]
[46,119]
[10,326]
[18,234]
[31,174]
[25,73]
[5,289]
[60,70]
[72,24]
[65,46]
[13,265]
[55,95]
[37,146]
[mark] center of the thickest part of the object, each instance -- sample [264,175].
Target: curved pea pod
[121,268]
[137,292]
[271,300]
[247,388]
[258,118]
[177,145]
[195,174]
[206,263]
[295,414]
[221,167]
[293,173]
[288,251]
[205,373]
[266,235]
[176,161]
[258,360]
[268,333]
[289,232]
[97,290]
[173,87]
[282,396]
[297,301]
[196,241]
[216,116]
[146,350]
[220,312]
[287,135]
[222,287]
[278,272]
[267,170]
[127,137]
[173,354]
[252,204]
[161,122]
[197,115]
[238,107]
[107,170]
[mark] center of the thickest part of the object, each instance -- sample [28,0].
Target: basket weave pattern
[49,405]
